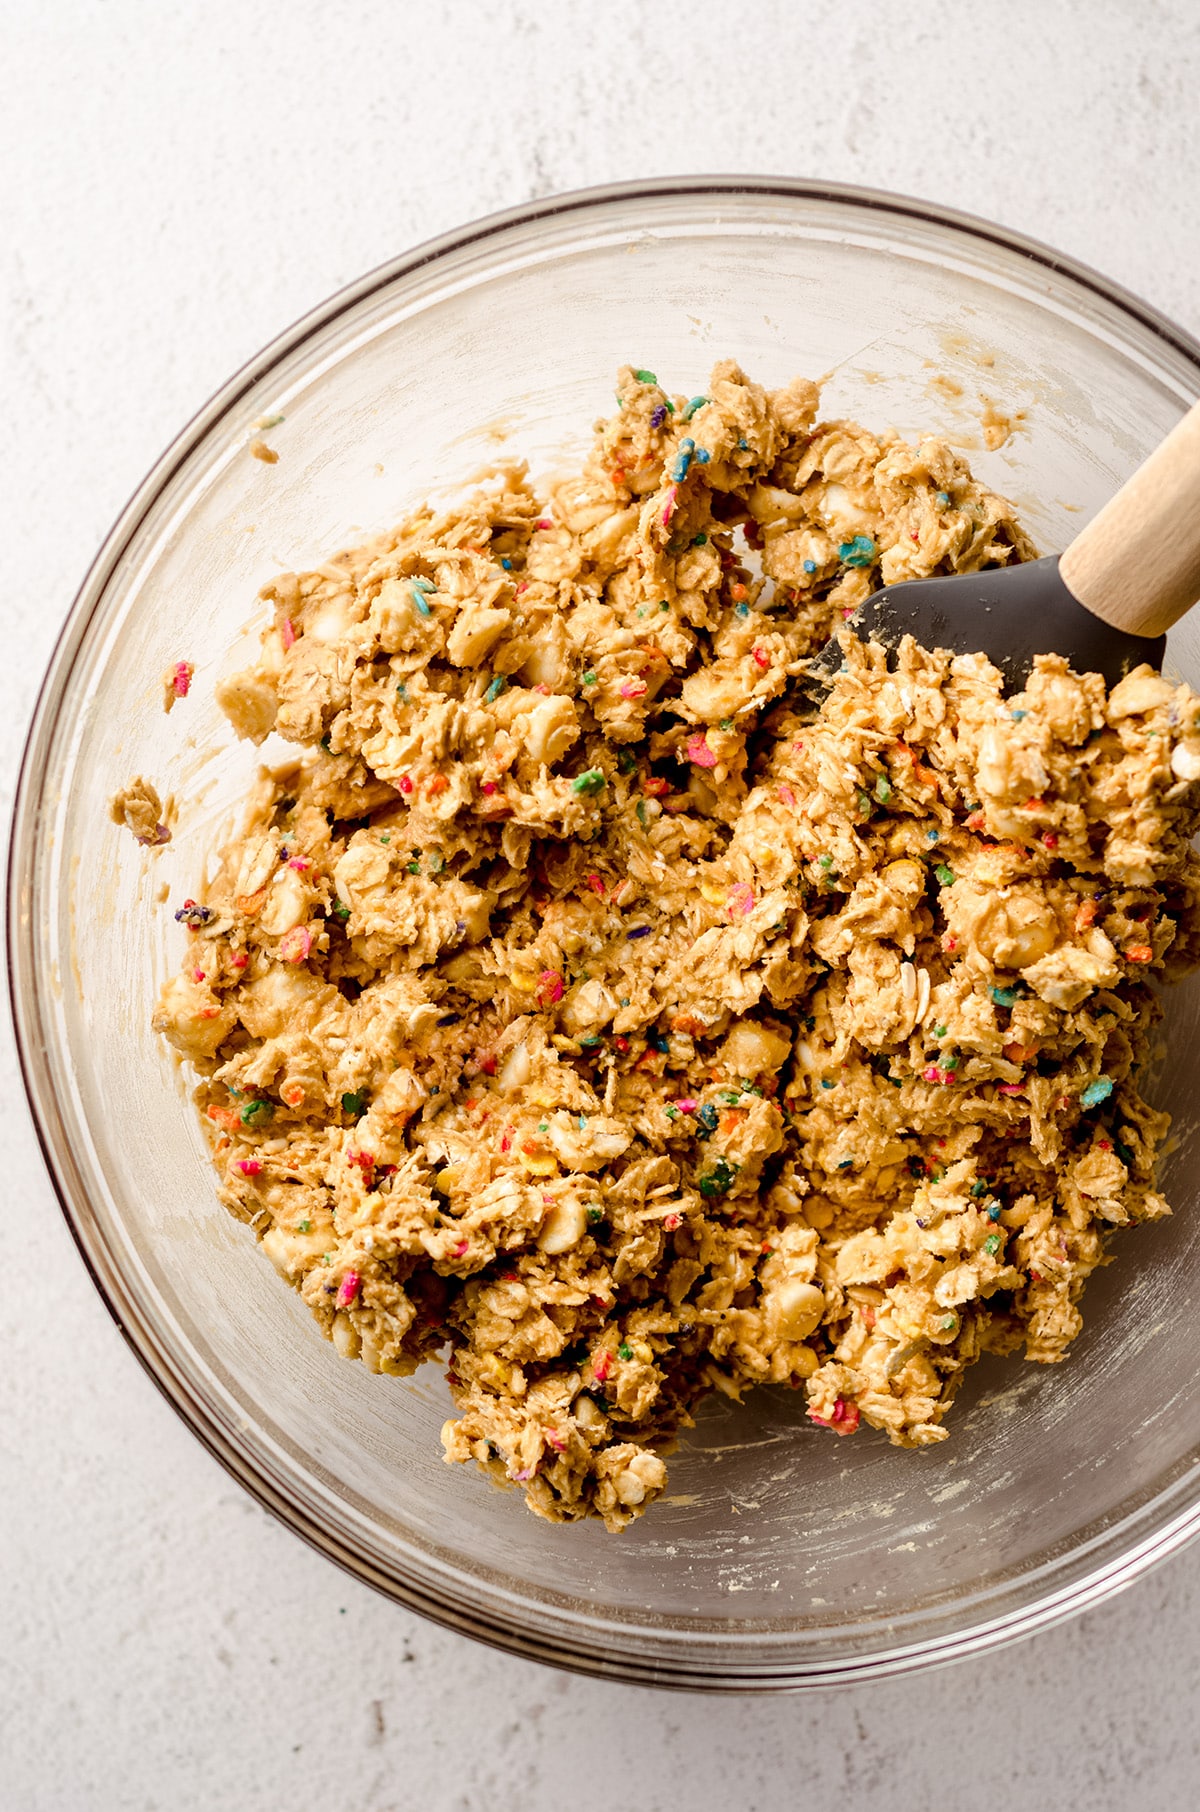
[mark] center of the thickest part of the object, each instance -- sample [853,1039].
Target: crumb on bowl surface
[585,1001]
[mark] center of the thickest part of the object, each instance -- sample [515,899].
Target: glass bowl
[781,1556]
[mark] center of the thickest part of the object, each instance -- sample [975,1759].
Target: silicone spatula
[1106,603]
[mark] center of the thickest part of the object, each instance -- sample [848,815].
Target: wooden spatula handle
[1137,563]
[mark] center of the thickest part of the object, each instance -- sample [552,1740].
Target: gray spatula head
[1009,613]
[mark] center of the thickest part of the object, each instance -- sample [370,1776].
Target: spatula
[1106,603]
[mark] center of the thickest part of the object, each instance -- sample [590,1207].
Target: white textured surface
[181,182]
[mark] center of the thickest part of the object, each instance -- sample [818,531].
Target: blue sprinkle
[661,1044]
[859,552]
[931,836]
[1005,997]
[582,1122]
[658,416]
[679,467]
[707,1116]
[423,584]
[493,692]
[743,446]
[694,403]
[741,610]
[810,566]
[1096,1092]
[702,456]
[507,565]
[943,498]
[639,931]
[1016,716]
[845,1163]
[994,1211]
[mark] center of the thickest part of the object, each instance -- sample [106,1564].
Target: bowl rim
[68,1183]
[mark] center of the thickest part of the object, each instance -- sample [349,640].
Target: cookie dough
[583,1003]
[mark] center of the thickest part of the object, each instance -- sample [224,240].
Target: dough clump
[584,1002]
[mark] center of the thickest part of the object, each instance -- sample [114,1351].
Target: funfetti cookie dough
[582,1003]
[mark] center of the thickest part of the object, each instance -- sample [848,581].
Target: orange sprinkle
[251,904]
[1086,915]
[1139,953]
[437,784]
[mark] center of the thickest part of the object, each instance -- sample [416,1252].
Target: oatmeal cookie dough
[582,1003]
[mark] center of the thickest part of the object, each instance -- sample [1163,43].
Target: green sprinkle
[950,1063]
[498,685]
[939,1031]
[402,690]
[255,1110]
[694,403]
[645,377]
[859,552]
[1092,1096]
[664,605]
[945,875]
[978,1189]
[355,1103]
[592,780]
[864,802]
[624,1351]
[589,678]
[726,723]
[303,1226]
[699,540]
[594,1216]
[992,1244]
[340,912]
[883,789]
[948,1322]
[640,809]
[327,1258]
[591,1039]
[414,868]
[1005,997]
[825,862]
[731,1096]
[717,1181]
[672,1113]
[543,1126]
[626,761]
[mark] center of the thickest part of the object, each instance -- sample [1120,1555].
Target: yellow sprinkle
[714,895]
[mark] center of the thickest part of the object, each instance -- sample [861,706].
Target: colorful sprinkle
[347,1289]
[254,1111]
[181,676]
[1005,997]
[694,403]
[645,377]
[945,875]
[295,944]
[810,566]
[859,552]
[699,753]
[498,685]
[1096,1092]
[658,415]
[355,1103]
[249,1167]
[549,988]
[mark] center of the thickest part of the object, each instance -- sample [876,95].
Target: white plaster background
[179,182]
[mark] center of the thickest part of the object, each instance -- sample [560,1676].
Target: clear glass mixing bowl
[782,1556]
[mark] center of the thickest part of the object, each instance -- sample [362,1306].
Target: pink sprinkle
[489,787]
[741,899]
[1012,1088]
[550,987]
[932,1074]
[295,944]
[547,1200]
[787,795]
[596,885]
[197,975]
[462,1248]
[288,632]
[671,1222]
[525,1473]
[799,747]
[181,678]
[633,688]
[239,961]
[553,1440]
[543,689]
[1050,839]
[545,522]
[600,1366]
[249,1167]
[669,506]
[687,1105]
[406,785]
[347,1289]
[300,863]
[699,753]
[523,586]
[761,656]
[847,614]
